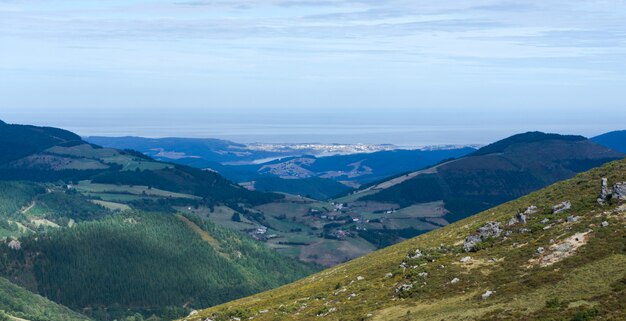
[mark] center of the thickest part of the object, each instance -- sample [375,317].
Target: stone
[388,275]
[490,229]
[522,218]
[360,278]
[619,191]
[561,207]
[604,191]
[487,294]
[531,210]
[455,281]
[404,287]
[524,230]
[540,250]
[466,259]
[512,221]
[417,254]
[572,219]
[545,221]
[605,224]
[15,245]
[422,274]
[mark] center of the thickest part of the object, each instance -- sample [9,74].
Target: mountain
[19,304]
[112,233]
[494,174]
[562,260]
[615,140]
[273,167]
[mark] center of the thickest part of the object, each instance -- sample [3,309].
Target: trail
[29,207]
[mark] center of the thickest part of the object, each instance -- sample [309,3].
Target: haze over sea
[404,128]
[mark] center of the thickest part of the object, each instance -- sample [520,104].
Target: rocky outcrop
[561,207]
[489,230]
[15,245]
[619,191]
[604,191]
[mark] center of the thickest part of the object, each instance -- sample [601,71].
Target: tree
[236,217]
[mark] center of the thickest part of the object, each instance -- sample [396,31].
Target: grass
[589,284]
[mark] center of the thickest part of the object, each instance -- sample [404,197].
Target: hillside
[557,262]
[494,174]
[615,140]
[15,302]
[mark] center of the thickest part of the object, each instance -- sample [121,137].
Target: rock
[490,229]
[545,221]
[604,191]
[522,218]
[388,275]
[455,281]
[417,254]
[422,274]
[524,230]
[531,210]
[404,287]
[572,219]
[15,245]
[264,311]
[192,313]
[605,224]
[508,233]
[487,294]
[540,250]
[360,278]
[561,207]
[619,191]
[466,259]
[512,221]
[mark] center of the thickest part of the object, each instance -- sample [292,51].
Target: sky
[395,71]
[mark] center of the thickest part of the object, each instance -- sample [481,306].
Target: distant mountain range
[326,170]
[549,264]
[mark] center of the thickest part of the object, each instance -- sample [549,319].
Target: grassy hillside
[148,263]
[563,266]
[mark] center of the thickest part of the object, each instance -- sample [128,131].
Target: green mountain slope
[17,303]
[149,263]
[494,174]
[554,264]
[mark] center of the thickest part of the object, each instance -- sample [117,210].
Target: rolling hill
[615,140]
[494,174]
[563,259]
[103,231]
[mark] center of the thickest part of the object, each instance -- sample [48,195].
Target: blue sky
[380,61]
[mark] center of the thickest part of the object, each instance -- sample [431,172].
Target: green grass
[590,284]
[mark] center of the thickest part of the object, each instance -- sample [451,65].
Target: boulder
[572,219]
[604,191]
[487,294]
[417,255]
[522,218]
[561,207]
[540,250]
[605,224]
[455,281]
[466,259]
[490,229]
[531,210]
[619,191]
[15,245]
[404,287]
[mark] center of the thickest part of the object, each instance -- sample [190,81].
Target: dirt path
[203,234]
[29,207]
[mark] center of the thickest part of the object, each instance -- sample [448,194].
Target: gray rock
[545,221]
[455,281]
[619,191]
[561,207]
[522,218]
[417,254]
[605,224]
[487,294]
[524,230]
[404,287]
[490,229]
[512,221]
[604,191]
[572,219]
[531,210]
[540,250]
[466,259]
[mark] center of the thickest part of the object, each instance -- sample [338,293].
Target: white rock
[605,224]
[455,281]
[487,294]
[360,278]
[466,259]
